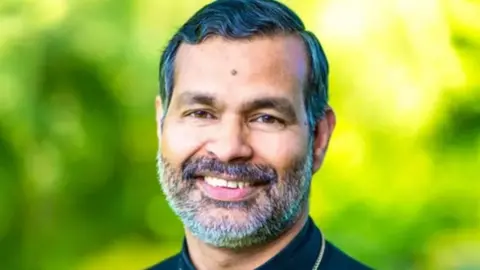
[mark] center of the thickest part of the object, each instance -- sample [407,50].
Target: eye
[201,114]
[268,119]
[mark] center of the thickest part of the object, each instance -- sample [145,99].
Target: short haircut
[244,19]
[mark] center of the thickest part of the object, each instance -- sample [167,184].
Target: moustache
[247,172]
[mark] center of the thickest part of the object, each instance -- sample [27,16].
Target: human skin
[235,73]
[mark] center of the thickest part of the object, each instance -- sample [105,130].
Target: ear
[159,116]
[322,134]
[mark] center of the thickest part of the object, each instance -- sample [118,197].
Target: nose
[229,143]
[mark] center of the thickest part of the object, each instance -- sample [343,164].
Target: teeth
[232,184]
[218,182]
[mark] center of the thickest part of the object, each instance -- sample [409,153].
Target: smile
[219,182]
[227,190]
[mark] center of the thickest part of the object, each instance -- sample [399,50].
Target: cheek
[280,150]
[179,142]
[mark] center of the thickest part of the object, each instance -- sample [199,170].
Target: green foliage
[78,188]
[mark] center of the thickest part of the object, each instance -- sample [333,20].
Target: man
[243,123]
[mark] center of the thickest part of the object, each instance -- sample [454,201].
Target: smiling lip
[221,193]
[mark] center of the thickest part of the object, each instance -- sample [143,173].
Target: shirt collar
[301,251]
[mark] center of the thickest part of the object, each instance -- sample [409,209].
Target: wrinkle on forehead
[241,69]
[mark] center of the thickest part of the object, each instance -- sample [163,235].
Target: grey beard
[286,200]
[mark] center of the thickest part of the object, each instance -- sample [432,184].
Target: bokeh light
[400,187]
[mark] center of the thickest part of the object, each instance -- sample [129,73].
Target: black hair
[244,19]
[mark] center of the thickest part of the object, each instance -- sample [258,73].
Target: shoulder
[167,264]
[337,259]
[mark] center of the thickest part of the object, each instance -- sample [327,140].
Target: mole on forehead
[234,72]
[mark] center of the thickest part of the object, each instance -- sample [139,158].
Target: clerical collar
[300,253]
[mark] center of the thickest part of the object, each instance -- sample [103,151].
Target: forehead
[238,69]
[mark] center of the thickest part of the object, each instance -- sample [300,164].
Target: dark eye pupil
[202,114]
[267,119]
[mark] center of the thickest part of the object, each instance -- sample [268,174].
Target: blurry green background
[400,188]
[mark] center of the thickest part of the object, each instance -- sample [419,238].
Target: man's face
[235,159]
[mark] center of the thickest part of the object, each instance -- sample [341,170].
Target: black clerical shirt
[300,254]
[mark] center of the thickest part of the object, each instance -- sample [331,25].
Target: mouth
[228,189]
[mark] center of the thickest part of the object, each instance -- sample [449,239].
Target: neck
[207,257]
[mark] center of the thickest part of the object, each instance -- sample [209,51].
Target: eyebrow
[191,98]
[280,104]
